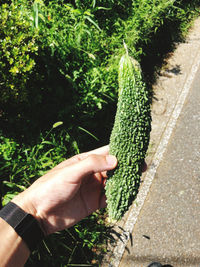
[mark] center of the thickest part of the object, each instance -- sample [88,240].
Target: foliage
[20,166]
[17,46]
[60,58]
[74,246]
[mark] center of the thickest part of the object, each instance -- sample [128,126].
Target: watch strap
[26,226]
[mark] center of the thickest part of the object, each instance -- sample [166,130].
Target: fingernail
[111,160]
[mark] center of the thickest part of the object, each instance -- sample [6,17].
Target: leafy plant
[17,45]
[20,165]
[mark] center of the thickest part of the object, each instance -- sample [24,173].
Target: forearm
[13,250]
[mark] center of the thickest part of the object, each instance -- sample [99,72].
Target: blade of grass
[86,131]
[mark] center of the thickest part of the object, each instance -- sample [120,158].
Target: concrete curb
[131,218]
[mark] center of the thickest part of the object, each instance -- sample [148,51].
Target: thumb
[98,163]
[93,164]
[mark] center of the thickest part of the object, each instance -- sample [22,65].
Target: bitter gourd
[129,137]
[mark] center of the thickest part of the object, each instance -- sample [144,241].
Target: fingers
[91,165]
[99,151]
[99,163]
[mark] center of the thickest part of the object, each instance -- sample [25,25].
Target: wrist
[24,224]
[14,251]
[22,201]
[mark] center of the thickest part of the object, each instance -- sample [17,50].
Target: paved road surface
[168,227]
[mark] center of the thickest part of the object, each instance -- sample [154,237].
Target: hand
[69,192]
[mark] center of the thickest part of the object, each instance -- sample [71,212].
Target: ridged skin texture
[129,138]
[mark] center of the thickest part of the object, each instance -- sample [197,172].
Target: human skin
[59,199]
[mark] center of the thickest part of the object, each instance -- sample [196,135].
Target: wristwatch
[26,226]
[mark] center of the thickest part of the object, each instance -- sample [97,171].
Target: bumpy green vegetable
[129,138]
